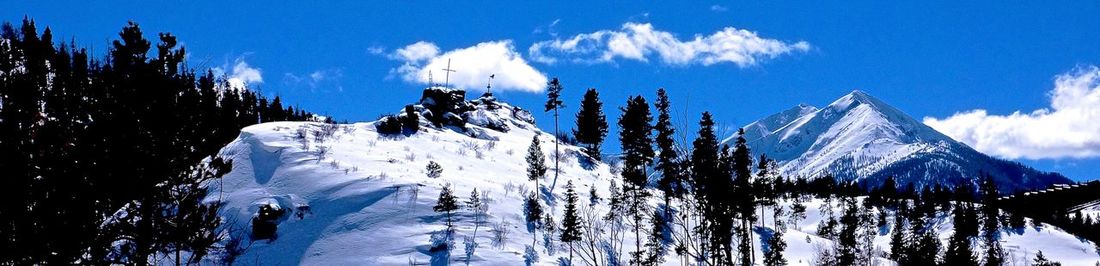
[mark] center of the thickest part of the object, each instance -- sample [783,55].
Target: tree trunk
[535,232]
[570,253]
[556,159]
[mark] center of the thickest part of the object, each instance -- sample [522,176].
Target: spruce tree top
[591,121]
[553,92]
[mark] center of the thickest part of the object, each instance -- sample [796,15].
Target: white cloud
[241,74]
[719,8]
[1070,128]
[472,66]
[416,52]
[640,41]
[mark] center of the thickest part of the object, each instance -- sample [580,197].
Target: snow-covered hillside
[861,137]
[357,197]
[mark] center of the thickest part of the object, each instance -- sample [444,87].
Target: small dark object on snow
[264,225]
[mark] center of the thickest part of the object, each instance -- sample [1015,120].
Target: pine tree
[655,246]
[85,138]
[553,93]
[1041,260]
[926,245]
[958,252]
[958,247]
[447,203]
[536,163]
[991,221]
[433,169]
[712,187]
[634,136]
[671,182]
[741,163]
[477,206]
[533,211]
[846,240]
[898,237]
[570,225]
[591,123]
[774,255]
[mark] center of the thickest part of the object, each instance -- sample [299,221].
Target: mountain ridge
[861,138]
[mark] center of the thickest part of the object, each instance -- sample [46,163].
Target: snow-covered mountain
[354,196]
[859,137]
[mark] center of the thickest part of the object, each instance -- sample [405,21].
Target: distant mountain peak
[859,137]
[856,98]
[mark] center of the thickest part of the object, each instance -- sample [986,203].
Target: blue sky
[928,58]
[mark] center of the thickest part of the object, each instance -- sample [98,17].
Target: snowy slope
[359,189]
[860,137]
[1020,244]
[359,186]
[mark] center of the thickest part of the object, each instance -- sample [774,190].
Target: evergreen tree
[433,169]
[712,187]
[991,221]
[958,247]
[846,240]
[655,241]
[745,196]
[476,206]
[533,211]
[276,110]
[447,203]
[898,238]
[591,123]
[83,139]
[570,225]
[1041,260]
[536,163]
[553,93]
[958,252]
[774,255]
[634,136]
[925,244]
[671,181]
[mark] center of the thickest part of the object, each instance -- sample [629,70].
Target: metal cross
[447,81]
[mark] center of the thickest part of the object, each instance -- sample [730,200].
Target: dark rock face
[441,107]
[444,106]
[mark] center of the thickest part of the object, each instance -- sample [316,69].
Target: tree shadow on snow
[765,234]
[587,163]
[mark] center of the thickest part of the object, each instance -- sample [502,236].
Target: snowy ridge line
[861,138]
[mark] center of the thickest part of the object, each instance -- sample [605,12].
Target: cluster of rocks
[442,107]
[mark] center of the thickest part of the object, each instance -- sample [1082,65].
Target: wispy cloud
[472,66]
[548,29]
[719,8]
[318,79]
[641,42]
[1070,128]
[376,50]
